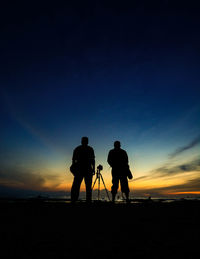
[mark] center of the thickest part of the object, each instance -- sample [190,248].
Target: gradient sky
[105,70]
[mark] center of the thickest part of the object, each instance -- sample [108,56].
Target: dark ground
[102,230]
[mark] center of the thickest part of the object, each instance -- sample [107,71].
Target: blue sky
[105,71]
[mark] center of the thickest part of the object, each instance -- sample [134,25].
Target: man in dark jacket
[118,160]
[84,159]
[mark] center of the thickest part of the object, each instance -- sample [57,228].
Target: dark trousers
[76,187]
[123,182]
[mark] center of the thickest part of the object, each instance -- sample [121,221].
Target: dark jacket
[84,157]
[118,160]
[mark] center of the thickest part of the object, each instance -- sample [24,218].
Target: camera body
[100,167]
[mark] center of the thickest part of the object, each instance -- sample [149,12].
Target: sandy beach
[38,229]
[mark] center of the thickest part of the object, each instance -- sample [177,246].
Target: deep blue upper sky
[105,70]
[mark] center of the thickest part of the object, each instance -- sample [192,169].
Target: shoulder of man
[112,150]
[77,148]
[125,153]
[90,148]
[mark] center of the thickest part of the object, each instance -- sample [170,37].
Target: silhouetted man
[84,159]
[118,160]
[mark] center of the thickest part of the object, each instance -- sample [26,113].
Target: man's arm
[93,167]
[74,157]
[126,158]
[109,160]
[93,162]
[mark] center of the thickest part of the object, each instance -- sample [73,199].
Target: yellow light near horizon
[59,179]
[63,184]
[162,182]
[190,192]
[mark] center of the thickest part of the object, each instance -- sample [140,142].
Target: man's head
[84,141]
[117,144]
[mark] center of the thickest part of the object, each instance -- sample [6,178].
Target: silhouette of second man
[118,160]
[84,161]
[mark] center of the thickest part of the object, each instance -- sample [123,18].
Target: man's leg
[124,187]
[127,196]
[88,185]
[114,188]
[76,188]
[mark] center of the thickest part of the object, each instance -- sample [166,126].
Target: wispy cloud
[140,178]
[27,178]
[180,150]
[190,186]
[167,170]
[163,171]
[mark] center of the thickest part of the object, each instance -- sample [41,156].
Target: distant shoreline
[102,201]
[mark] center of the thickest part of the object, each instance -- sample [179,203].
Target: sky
[109,70]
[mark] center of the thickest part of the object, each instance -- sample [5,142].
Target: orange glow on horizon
[190,192]
[58,181]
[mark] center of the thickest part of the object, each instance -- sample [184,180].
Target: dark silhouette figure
[84,161]
[118,160]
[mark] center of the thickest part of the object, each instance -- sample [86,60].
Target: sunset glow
[129,75]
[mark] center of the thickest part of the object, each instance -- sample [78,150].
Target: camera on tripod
[100,167]
[99,178]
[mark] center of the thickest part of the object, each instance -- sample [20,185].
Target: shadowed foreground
[62,230]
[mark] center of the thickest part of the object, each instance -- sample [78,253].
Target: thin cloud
[191,185]
[167,171]
[140,178]
[163,171]
[26,178]
[180,150]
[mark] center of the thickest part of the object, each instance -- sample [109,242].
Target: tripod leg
[98,188]
[105,187]
[94,183]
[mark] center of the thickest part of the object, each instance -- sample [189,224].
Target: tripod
[99,177]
